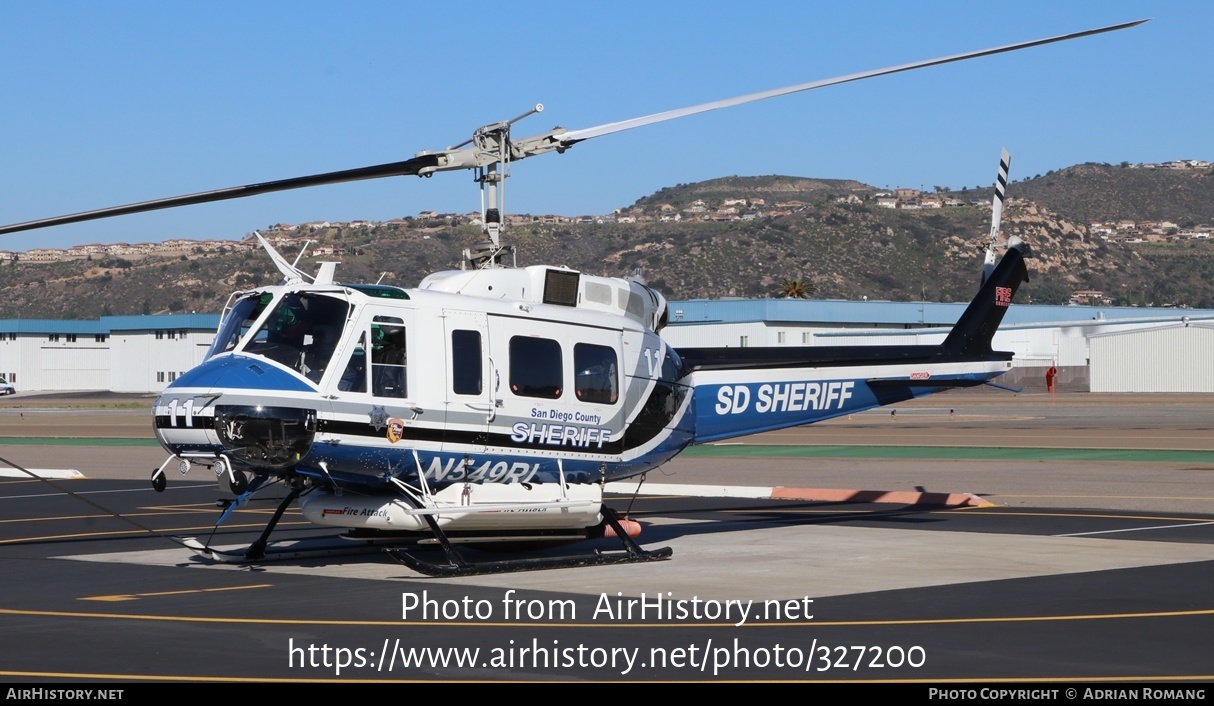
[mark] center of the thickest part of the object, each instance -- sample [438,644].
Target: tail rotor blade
[1005,165]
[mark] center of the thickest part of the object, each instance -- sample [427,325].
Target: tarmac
[1080,547]
[1149,452]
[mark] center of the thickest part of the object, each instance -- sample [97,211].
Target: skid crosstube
[457,566]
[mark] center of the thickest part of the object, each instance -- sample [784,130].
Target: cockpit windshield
[237,323]
[301,333]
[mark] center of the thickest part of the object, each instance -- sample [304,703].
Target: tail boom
[732,403]
[740,391]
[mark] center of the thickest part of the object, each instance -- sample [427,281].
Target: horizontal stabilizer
[881,382]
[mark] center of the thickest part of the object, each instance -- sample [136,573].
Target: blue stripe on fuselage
[728,410]
[241,373]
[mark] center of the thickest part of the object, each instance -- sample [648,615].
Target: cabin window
[597,374]
[466,362]
[354,377]
[535,367]
[388,361]
[301,333]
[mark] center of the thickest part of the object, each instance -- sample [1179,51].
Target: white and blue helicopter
[492,403]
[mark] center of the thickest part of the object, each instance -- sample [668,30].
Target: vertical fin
[973,332]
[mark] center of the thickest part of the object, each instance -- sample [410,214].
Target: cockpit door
[472,383]
[377,387]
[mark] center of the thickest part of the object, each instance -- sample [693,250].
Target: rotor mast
[493,147]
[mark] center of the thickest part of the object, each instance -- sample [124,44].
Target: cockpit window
[354,377]
[301,333]
[237,323]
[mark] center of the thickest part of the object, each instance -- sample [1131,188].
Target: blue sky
[113,103]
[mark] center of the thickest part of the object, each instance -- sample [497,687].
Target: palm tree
[796,288]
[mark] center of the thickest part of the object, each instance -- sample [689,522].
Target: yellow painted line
[201,678]
[343,680]
[152,511]
[611,626]
[118,533]
[796,511]
[188,510]
[68,517]
[1051,679]
[155,512]
[211,507]
[1064,444]
[136,596]
[1106,497]
[1101,516]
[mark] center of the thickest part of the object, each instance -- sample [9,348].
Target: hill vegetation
[838,249]
[1103,192]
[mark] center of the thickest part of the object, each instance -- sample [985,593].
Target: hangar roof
[910,314]
[107,324]
[703,311]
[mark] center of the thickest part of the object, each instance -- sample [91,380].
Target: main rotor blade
[405,168]
[573,136]
[539,144]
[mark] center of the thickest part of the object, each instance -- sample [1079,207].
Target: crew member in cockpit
[285,333]
[388,361]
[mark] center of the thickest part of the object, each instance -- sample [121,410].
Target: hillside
[800,230]
[772,189]
[1102,192]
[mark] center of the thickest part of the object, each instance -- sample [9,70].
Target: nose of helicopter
[246,409]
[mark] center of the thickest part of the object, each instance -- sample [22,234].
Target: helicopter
[492,403]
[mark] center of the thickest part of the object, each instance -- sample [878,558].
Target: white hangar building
[1104,349]
[118,353]
[1177,357]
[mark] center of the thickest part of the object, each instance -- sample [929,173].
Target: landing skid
[261,550]
[257,550]
[457,566]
